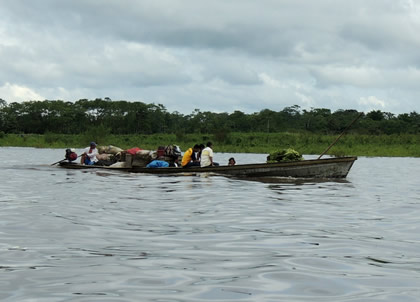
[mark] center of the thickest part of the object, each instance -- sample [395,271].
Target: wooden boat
[336,167]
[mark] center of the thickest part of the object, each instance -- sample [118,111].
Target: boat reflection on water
[292,180]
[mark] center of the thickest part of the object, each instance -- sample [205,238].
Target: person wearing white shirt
[89,155]
[207,156]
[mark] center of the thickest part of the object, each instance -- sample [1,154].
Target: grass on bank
[405,145]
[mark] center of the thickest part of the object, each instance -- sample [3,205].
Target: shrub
[97,134]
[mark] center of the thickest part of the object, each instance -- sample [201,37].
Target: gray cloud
[219,56]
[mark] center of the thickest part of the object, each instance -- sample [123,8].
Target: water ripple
[111,236]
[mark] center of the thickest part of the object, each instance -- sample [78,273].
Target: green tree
[376,115]
[316,120]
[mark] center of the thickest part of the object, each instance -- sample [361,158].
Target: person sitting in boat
[189,159]
[175,163]
[231,162]
[71,155]
[201,148]
[207,156]
[89,155]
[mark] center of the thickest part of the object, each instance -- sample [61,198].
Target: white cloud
[371,103]
[270,81]
[306,100]
[15,93]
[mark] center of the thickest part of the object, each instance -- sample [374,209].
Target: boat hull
[317,168]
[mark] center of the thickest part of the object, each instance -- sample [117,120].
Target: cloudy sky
[219,55]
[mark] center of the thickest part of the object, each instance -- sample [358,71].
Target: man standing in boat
[207,156]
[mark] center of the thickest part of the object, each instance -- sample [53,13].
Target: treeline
[123,117]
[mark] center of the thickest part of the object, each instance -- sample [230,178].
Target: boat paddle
[60,161]
[342,133]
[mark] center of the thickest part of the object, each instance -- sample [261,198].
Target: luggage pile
[108,155]
[136,157]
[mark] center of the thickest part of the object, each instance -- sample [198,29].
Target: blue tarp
[157,164]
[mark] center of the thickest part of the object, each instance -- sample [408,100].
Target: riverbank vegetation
[59,124]
[306,143]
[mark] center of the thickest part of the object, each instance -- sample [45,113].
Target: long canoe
[336,167]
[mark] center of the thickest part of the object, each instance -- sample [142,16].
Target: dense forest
[123,117]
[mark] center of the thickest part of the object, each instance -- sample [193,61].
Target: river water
[71,235]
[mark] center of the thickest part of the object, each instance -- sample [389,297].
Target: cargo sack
[133,151]
[173,151]
[284,155]
[110,149]
[143,157]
